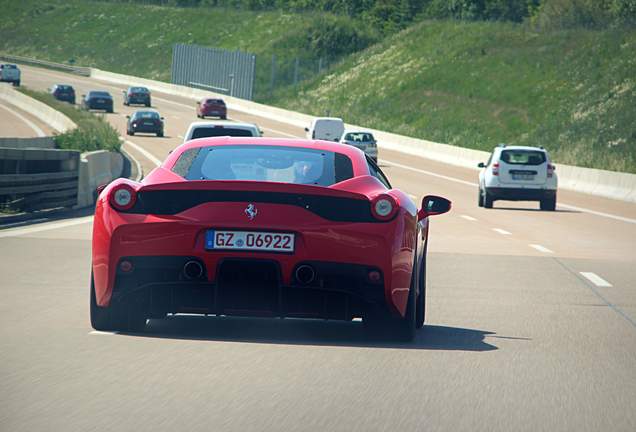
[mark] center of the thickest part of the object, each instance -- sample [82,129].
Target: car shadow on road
[309,332]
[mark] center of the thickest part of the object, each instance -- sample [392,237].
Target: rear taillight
[495,169]
[384,207]
[551,169]
[122,197]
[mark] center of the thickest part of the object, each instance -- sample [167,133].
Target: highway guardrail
[36,179]
[79,70]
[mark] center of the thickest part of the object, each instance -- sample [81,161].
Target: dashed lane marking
[596,279]
[541,248]
[468,218]
[501,231]
[98,332]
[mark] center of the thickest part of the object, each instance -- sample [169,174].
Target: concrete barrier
[42,111]
[28,143]
[96,169]
[609,184]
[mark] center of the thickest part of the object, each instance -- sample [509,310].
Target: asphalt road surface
[531,326]
[15,123]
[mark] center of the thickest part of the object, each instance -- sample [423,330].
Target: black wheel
[100,316]
[420,313]
[131,132]
[160,134]
[480,198]
[378,322]
[488,199]
[110,111]
[125,103]
[224,117]
[117,316]
[16,83]
[548,204]
[148,104]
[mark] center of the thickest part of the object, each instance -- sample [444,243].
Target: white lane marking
[432,174]
[413,197]
[98,332]
[468,218]
[279,132]
[144,152]
[598,213]
[180,136]
[40,133]
[501,231]
[596,279]
[15,232]
[541,248]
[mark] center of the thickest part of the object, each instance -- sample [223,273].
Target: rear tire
[131,133]
[160,134]
[480,197]
[488,199]
[379,323]
[115,317]
[224,117]
[420,313]
[548,204]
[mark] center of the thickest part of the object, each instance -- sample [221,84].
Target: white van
[205,129]
[326,128]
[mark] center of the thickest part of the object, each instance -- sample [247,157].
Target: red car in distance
[261,227]
[210,107]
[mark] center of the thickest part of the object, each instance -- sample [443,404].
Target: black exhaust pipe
[305,274]
[193,270]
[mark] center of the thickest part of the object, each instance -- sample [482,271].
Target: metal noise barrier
[227,72]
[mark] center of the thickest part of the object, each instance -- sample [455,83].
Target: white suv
[516,173]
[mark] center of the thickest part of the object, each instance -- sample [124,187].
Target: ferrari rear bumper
[246,287]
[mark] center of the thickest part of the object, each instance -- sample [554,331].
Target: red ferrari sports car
[261,227]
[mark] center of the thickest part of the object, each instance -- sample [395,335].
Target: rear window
[215,101]
[99,94]
[10,66]
[359,137]
[138,90]
[146,115]
[217,131]
[523,157]
[265,163]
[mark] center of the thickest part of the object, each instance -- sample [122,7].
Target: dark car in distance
[137,96]
[64,93]
[98,100]
[211,107]
[145,122]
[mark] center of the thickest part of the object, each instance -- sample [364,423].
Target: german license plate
[249,240]
[149,124]
[523,177]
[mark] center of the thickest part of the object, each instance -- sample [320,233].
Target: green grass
[468,84]
[138,39]
[92,132]
[478,84]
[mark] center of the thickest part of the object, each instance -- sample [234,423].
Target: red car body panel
[388,246]
[211,107]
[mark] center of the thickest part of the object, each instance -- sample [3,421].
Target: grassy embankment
[92,132]
[468,84]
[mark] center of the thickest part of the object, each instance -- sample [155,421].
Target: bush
[92,132]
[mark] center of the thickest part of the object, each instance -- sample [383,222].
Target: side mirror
[198,102]
[127,116]
[162,119]
[481,165]
[433,205]
[306,129]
